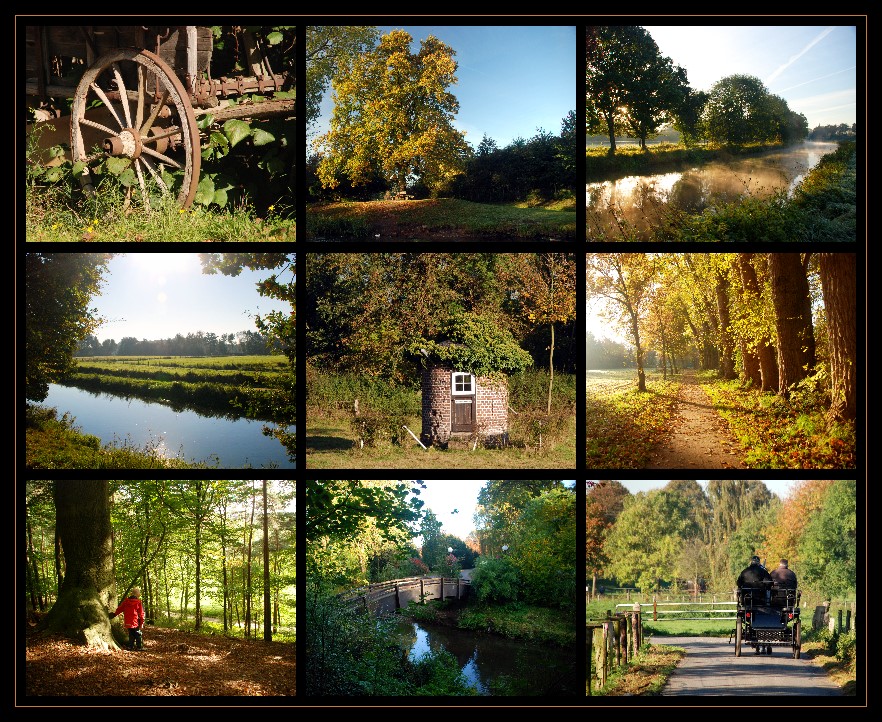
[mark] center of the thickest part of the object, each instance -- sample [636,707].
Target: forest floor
[700,438]
[172,663]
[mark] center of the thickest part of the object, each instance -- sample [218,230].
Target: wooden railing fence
[617,640]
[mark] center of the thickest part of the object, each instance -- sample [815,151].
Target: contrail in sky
[784,90]
[802,52]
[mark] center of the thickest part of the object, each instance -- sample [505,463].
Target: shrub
[495,581]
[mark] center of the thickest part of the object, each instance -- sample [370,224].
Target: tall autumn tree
[793,317]
[328,49]
[393,117]
[839,282]
[603,504]
[58,290]
[626,280]
[545,288]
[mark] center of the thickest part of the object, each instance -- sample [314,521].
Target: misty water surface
[639,200]
[176,434]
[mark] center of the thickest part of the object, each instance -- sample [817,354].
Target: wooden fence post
[589,654]
[603,653]
[623,638]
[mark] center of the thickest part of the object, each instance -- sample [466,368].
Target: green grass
[440,219]
[784,434]
[622,425]
[331,444]
[56,443]
[521,621]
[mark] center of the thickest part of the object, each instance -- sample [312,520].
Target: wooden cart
[138,93]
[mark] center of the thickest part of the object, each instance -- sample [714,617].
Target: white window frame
[454,392]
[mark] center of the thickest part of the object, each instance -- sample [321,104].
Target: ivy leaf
[205,191]
[128,178]
[118,165]
[274,38]
[237,131]
[262,137]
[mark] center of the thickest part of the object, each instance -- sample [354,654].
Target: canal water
[640,201]
[233,444]
[495,665]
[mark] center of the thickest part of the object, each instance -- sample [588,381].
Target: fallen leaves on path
[172,663]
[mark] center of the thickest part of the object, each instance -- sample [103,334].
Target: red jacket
[132,611]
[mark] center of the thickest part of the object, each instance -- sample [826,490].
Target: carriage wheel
[149,120]
[738,637]
[797,639]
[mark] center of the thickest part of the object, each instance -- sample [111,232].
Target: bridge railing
[403,591]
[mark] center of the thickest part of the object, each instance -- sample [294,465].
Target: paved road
[710,667]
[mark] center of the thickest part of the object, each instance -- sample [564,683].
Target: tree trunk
[610,125]
[82,520]
[765,353]
[839,284]
[267,609]
[790,297]
[550,369]
[727,344]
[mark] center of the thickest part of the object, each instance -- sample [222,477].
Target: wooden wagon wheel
[150,121]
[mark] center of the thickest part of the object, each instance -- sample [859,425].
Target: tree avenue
[393,117]
[772,320]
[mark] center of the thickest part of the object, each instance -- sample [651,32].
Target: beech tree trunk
[839,285]
[727,344]
[87,594]
[765,352]
[793,320]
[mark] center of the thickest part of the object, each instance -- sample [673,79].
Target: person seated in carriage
[754,577]
[783,585]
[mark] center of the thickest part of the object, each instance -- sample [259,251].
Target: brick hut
[459,404]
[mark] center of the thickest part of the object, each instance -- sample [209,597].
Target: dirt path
[700,439]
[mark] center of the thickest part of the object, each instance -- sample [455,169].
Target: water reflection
[639,202]
[492,664]
[228,443]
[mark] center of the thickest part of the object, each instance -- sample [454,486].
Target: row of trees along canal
[59,323]
[773,320]
[225,546]
[631,89]
[359,532]
[392,127]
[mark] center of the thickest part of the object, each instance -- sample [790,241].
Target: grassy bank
[230,386]
[53,442]
[657,158]
[440,219]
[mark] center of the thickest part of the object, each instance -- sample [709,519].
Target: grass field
[331,444]
[439,219]
[622,425]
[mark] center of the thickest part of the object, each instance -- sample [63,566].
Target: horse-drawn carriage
[140,94]
[768,616]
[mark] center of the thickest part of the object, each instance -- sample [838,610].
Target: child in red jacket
[133,617]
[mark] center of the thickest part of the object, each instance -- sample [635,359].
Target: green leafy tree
[328,49]
[393,115]
[58,290]
[738,111]
[608,72]
[828,549]
[645,544]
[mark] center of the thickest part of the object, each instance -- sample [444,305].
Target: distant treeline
[605,353]
[248,343]
[843,131]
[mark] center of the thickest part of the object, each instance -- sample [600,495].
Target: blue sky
[157,295]
[812,67]
[511,79]
[443,497]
